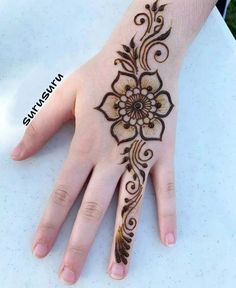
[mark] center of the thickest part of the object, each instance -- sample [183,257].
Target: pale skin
[93,149]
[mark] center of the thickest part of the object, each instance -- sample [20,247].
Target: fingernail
[40,250]
[170,239]
[117,271]
[17,152]
[68,275]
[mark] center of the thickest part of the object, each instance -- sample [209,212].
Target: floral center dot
[138,105]
[116,106]
[149,88]
[158,105]
[150,125]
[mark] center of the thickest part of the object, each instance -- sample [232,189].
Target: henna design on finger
[137,105]
[136,159]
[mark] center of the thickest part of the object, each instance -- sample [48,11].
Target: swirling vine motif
[137,105]
[136,158]
[152,37]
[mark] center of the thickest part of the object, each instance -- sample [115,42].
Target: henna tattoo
[136,161]
[151,36]
[128,57]
[137,104]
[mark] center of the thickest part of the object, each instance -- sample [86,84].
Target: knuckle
[46,226]
[61,196]
[31,131]
[80,250]
[92,210]
[167,215]
[168,191]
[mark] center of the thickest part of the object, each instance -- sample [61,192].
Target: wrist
[185,17]
[150,29]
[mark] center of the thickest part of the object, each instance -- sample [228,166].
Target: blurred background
[227,9]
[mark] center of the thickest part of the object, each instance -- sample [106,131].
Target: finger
[125,228]
[94,205]
[57,110]
[132,188]
[162,175]
[67,187]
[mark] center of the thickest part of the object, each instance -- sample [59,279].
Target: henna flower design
[137,106]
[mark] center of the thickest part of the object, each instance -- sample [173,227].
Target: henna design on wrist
[137,105]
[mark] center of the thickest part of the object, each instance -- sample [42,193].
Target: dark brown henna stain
[136,106]
[153,39]
[129,57]
[136,158]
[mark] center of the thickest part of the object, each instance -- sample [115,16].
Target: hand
[125,122]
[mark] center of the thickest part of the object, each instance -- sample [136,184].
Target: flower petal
[154,130]
[163,103]
[107,107]
[122,134]
[151,81]
[122,81]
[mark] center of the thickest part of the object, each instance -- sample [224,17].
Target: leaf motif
[132,44]
[126,48]
[129,167]
[127,246]
[143,174]
[125,159]
[127,239]
[124,55]
[125,65]
[136,53]
[126,150]
[154,6]
[162,8]
[131,234]
[124,209]
[164,35]
[135,176]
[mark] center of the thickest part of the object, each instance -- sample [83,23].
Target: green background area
[231,17]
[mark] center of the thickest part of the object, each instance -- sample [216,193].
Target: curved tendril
[139,158]
[134,155]
[128,226]
[129,189]
[141,17]
[132,158]
[151,19]
[147,42]
[147,49]
[160,24]
[147,158]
